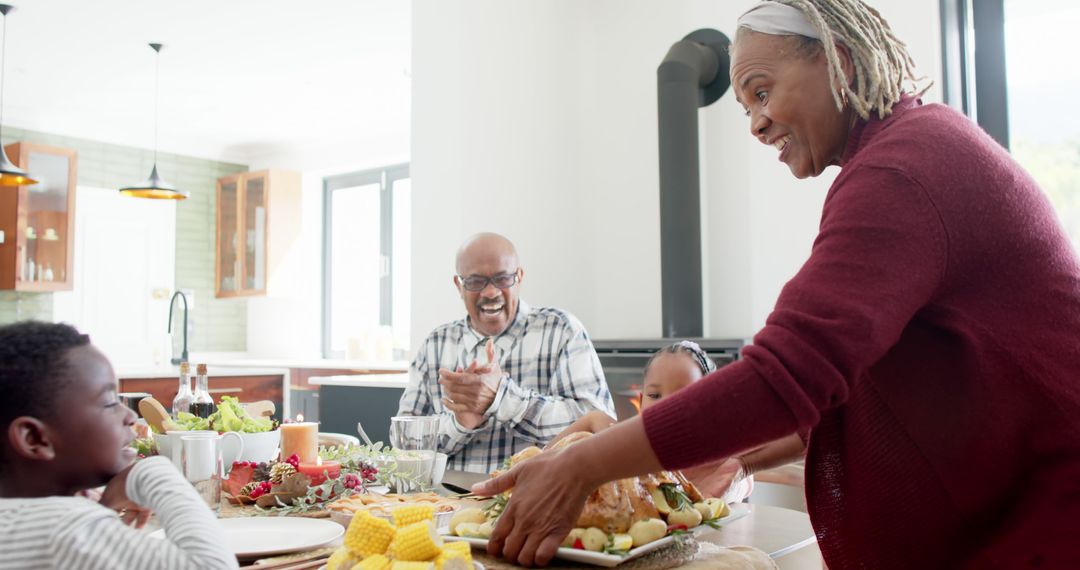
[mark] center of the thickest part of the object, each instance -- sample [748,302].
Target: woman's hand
[115,497]
[540,514]
[714,479]
[592,422]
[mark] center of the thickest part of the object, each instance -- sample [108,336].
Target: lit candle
[301,439]
[319,470]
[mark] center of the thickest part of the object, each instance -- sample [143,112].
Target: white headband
[778,19]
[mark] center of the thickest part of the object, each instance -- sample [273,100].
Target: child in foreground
[65,432]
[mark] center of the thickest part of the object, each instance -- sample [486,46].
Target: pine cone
[280,471]
[246,490]
[261,472]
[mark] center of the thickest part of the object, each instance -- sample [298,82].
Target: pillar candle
[314,471]
[302,439]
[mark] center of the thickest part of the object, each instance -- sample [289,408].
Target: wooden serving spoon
[155,415]
[260,408]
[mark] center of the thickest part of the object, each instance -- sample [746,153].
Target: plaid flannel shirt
[552,377]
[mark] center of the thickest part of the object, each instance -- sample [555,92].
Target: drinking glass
[416,440]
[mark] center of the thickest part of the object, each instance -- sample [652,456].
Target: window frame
[974,80]
[385,177]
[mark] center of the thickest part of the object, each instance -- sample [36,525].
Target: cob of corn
[368,535]
[417,541]
[404,516]
[455,556]
[374,562]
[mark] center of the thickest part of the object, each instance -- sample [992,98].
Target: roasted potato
[472,515]
[594,539]
[646,531]
[486,528]
[575,534]
[469,530]
[688,516]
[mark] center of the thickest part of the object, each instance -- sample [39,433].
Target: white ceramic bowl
[258,447]
[442,520]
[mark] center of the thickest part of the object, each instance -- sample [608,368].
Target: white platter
[256,537]
[738,510]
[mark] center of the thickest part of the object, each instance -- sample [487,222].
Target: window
[1043,86]
[366,281]
[1008,65]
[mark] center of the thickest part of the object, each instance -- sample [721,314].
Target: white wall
[287,322]
[538,120]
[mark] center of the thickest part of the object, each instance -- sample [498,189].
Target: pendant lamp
[10,175]
[154,187]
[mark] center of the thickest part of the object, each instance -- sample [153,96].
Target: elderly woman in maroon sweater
[930,344]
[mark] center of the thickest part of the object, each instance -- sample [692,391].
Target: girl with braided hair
[669,370]
[928,344]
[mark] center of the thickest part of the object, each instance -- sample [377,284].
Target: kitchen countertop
[173,372]
[328,364]
[363,380]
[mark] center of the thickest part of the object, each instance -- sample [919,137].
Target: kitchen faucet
[172,302]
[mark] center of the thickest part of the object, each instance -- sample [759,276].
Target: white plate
[255,537]
[738,510]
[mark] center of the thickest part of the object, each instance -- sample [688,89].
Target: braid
[881,60]
[704,363]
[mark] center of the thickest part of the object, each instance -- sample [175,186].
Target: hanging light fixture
[155,187]
[10,175]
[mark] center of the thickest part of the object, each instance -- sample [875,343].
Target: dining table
[785,534]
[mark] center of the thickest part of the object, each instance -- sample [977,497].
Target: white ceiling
[241,80]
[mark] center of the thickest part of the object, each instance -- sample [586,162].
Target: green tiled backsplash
[220,324]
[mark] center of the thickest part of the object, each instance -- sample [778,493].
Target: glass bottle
[184,397]
[203,404]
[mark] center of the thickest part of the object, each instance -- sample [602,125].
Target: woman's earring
[843,98]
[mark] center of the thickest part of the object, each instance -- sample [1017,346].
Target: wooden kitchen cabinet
[38,221]
[258,219]
[244,388]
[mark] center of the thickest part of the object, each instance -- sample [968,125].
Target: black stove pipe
[693,74]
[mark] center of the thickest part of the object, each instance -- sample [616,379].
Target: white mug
[169,445]
[202,465]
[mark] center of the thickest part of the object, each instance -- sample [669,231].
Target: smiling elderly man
[507,376]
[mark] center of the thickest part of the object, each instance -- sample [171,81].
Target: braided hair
[881,60]
[33,366]
[689,347]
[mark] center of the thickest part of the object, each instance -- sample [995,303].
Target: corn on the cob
[455,556]
[400,565]
[416,542]
[374,562]
[404,516]
[368,535]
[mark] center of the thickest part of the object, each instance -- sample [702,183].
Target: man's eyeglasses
[479,282]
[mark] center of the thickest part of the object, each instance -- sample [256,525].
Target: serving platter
[738,510]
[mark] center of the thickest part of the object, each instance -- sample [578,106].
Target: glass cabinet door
[228,239]
[255,233]
[46,217]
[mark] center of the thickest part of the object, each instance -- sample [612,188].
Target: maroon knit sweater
[931,343]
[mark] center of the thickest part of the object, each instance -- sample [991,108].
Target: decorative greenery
[362,466]
[676,497]
[496,507]
[144,447]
